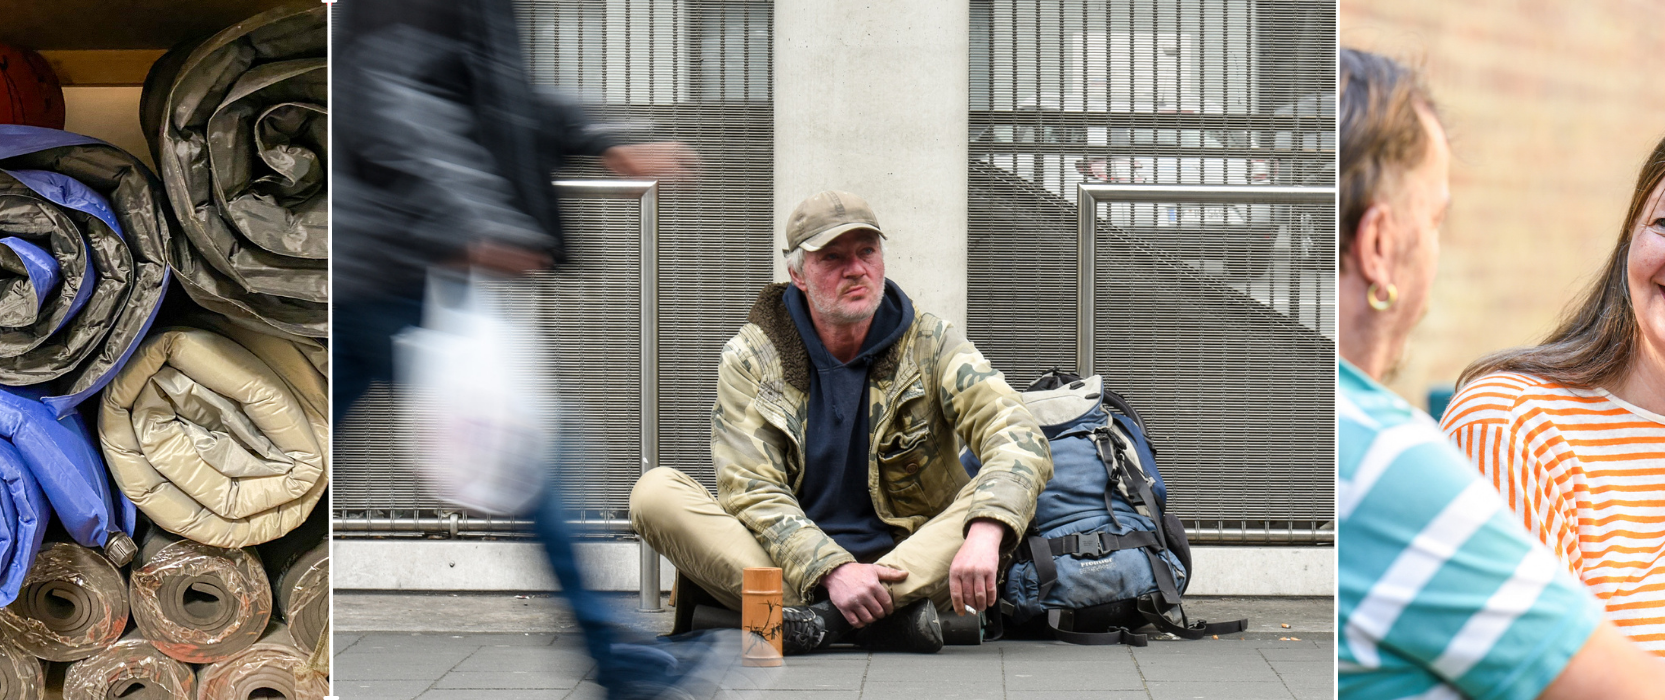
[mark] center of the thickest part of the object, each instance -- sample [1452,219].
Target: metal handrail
[646,193]
[1088,196]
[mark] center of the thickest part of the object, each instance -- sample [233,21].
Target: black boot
[837,627]
[801,631]
[962,630]
[915,628]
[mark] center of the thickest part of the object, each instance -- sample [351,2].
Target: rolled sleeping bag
[238,125]
[40,452]
[131,669]
[21,674]
[271,668]
[29,90]
[198,603]
[23,519]
[83,232]
[73,605]
[220,439]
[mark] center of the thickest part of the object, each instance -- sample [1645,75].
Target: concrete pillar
[871,98]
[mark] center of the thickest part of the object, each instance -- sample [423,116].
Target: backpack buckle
[1090,546]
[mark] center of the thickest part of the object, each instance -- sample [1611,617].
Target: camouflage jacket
[928,394]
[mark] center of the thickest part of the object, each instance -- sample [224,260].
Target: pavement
[508,647]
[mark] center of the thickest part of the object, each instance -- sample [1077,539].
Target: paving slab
[1219,690]
[379,689]
[544,658]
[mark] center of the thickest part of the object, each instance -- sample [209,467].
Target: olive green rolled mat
[198,603]
[131,669]
[272,669]
[21,674]
[73,604]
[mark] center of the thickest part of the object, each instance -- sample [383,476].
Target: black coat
[440,140]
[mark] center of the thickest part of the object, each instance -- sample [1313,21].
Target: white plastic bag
[475,408]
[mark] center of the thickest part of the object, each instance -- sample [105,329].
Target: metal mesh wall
[697,71]
[1216,321]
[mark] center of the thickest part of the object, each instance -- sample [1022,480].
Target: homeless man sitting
[834,442]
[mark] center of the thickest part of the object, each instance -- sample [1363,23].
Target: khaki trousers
[681,520]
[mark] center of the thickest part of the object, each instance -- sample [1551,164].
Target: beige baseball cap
[825,216]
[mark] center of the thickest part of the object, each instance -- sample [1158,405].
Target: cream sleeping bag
[220,436]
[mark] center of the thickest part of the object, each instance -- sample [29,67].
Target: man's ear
[1376,244]
[797,280]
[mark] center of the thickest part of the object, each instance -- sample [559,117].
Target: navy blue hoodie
[836,440]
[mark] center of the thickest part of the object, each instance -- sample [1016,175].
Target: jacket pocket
[904,467]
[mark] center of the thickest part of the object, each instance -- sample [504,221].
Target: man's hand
[971,578]
[858,591]
[663,160]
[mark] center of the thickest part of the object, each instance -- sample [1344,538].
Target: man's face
[844,280]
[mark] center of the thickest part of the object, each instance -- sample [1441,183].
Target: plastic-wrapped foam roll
[73,605]
[271,668]
[21,675]
[198,603]
[131,669]
[222,437]
[238,125]
[303,596]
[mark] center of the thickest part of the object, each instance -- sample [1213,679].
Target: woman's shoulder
[1500,397]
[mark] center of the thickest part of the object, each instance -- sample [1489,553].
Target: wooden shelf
[94,25]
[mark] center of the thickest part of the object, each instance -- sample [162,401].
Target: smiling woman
[1572,433]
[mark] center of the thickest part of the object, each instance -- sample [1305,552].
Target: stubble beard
[828,307]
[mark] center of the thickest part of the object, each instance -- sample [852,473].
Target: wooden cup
[760,608]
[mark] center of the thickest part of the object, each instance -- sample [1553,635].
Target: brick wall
[1550,107]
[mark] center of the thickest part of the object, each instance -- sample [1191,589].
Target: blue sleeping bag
[23,517]
[50,461]
[83,268]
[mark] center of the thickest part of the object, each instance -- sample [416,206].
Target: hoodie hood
[890,321]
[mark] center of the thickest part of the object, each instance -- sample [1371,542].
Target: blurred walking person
[1442,593]
[444,155]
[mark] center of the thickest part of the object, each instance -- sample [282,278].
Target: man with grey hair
[835,437]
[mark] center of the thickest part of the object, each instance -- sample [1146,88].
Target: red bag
[29,90]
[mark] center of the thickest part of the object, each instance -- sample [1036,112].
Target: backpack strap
[1186,629]
[1091,545]
[1109,457]
[1055,619]
[1036,548]
[1113,460]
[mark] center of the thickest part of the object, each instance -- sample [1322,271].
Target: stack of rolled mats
[211,406]
[187,620]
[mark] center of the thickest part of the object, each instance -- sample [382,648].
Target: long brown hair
[1597,337]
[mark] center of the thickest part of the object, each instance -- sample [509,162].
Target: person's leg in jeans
[361,347]
[550,522]
[622,669]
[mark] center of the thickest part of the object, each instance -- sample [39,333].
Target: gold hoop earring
[1381,304]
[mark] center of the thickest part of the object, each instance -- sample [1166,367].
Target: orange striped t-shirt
[1585,471]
